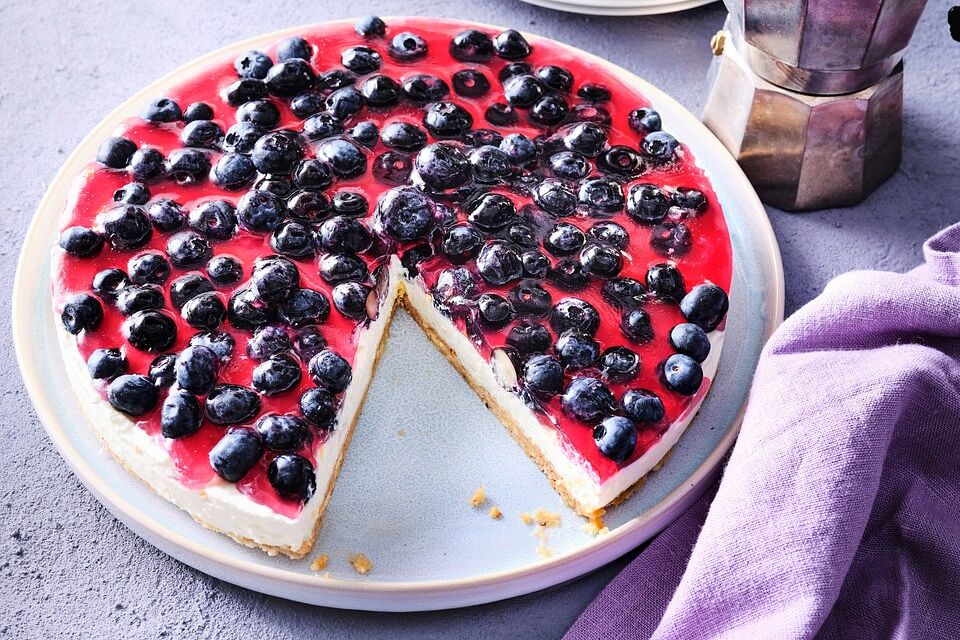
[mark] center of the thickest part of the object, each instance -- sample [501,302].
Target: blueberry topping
[215,219]
[522,91]
[529,337]
[313,175]
[706,305]
[442,166]
[407,47]
[642,406]
[366,133]
[424,88]
[569,274]
[188,249]
[601,260]
[244,90]
[274,279]
[635,324]
[231,404]
[81,242]
[361,60]
[470,83]
[132,394]
[309,342]
[691,340]
[205,311]
[354,300]
[187,166]
[221,343]
[139,298]
[619,364]
[569,165]
[305,306]
[109,283]
[616,438]
[610,233]
[621,161]
[511,45]
[461,242]
[501,114]
[253,64]
[380,91]
[289,77]
[187,287]
[586,138]
[262,113]
[276,152]
[330,371]
[294,47]
[624,293]
[106,364]
[666,282]
[392,168]
[235,454]
[350,203]
[276,374]
[233,171]
[337,79]
[241,137]
[453,289]
[115,153]
[555,197]
[564,239]
[671,239]
[682,374]
[150,330]
[549,110]
[494,310]
[601,194]
[543,375]
[202,133]
[647,204]
[576,350]
[322,125]
[180,415]
[575,314]
[344,103]
[535,264]
[306,104]
[268,341]
[404,214]
[659,146]
[529,298]
[587,399]
[126,227]
[292,477]
[260,211]
[491,211]
[447,120]
[342,267]
[644,120]
[499,263]
[319,407]
[246,312]
[293,239]
[370,27]
[196,369]
[471,46]
[147,164]
[344,156]
[82,312]
[688,199]
[282,432]
[307,206]
[162,110]
[277,185]
[132,193]
[594,93]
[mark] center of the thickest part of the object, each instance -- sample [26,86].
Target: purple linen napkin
[838,514]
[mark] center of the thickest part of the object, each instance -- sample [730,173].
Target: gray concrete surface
[67,568]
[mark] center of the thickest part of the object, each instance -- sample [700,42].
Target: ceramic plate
[620,7]
[424,442]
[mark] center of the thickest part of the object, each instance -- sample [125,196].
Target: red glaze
[710,259]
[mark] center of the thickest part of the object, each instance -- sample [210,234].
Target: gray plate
[402,499]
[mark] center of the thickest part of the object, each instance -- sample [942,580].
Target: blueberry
[588,112]
[132,394]
[529,337]
[602,194]
[594,92]
[81,242]
[529,298]
[308,206]
[511,45]
[647,204]
[569,274]
[659,146]
[132,193]
[292,477]
[151,330]
[233,171]
[180,415]
[522,91]
[576,350]
[235,454]
[616,438]
[246,312]
[691,340]
[535,264]
[442,166]
[689,199]
[404,214]
[344,156]
[306,104]
[139,298]
[501,114]
[706,305]
[447,120]
[319,407]
[601,260]
[244,90]
[202,133]
[188,249]
[253,64]
[330,371]
[275,184]
[543,375]
[549,110]
[289,77]
[162,110]
[361,60]
[231,404]
[644,120]
[494,310]
[196,369]
[282,432]
[276,375]
[499,263]
[309,342]
[642,406]
[188,166]
[621,161]
[587,399]
[350,203]
[294,240]
[564,239]
[106,364]
[484,138]
[342,267]
[454,289]
[276,152]
[274,279]
[406,47]
[492,211]
[610,233]
[365,133]
[671,239]
[115,153]
[267,341]
[220,342]
[555,197]
[370,27]
[471,46]
[424,88]
[682,374]
[241,137]
[163,370]
[198,111]
[215,219]
[294,47]
[354,300]
[186,288]
[470,83]
[260,211]
[514,69]
[82,312]
[635,324]
[305,306]
[404,136]
[313,175]
[666,282]
[380,91]
[108,283]
[126,227]
[490,164]
[261,113]
[147,164]
[344,103]
[336,79]
[344,235]
[586,138]
[392,168]
[460,242]
[619,364]
[569,165]
[575,314]
[205,311]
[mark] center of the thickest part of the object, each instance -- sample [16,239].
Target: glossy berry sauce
[708,260]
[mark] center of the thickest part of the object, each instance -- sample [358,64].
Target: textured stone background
[67,568]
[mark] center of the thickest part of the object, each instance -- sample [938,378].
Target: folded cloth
[838,513]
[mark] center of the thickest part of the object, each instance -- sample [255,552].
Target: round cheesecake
[229,263]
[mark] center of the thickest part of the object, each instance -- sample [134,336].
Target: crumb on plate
[361,564]
[495,513]
[479,497]
[320,562]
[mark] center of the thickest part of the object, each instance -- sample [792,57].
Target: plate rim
[584,7]
[407,595]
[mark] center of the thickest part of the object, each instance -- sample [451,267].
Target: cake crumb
[495,513]
[320,562]
[544,551]
[478,498]
[545,518]
[526,518]
[361,564]
[402,432]
[541,534]
[595,526]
